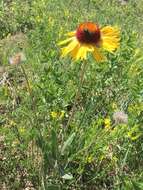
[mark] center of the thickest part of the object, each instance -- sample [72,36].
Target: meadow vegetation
[47,145]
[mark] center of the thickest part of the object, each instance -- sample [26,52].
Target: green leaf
[67,176]
[137,185]
[67,143]
[52,187]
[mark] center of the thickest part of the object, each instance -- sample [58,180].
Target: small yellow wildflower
[89,159]
[107,123]
[133,138]
[114,106]
[134,133]
[57,115]
[21,129]
[54,114]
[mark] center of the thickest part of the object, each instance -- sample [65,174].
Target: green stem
[83,69]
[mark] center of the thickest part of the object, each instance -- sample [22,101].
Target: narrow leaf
[67,143]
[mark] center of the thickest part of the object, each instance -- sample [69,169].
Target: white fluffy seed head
[120,117]
[17,58]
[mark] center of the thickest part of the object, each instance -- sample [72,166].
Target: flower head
[134,133]
[22,130]
[107,123]
[54,114]
[58,115]
[89,37]
[120,117]
[89,159]
[17,58]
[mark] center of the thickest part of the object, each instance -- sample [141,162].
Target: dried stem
[27,81]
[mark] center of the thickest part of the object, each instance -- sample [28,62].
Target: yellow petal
[109,30]
[65,41]
[81,51]
[98,55]
[70,47]
[110,37]
[71,34]
[75,51]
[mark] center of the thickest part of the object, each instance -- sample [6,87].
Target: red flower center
[88,33]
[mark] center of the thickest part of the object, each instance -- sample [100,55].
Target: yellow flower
[22,130]
[133,137]
[134,133]
[89,159]
[54,114]
[62,113]
[89,37]
[114,106]
[58,115]
[107,123]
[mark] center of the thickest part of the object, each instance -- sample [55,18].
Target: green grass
[41,151]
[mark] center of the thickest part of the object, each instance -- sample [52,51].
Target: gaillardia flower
[89,37]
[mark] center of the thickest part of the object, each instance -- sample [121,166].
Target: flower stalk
[82,73]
